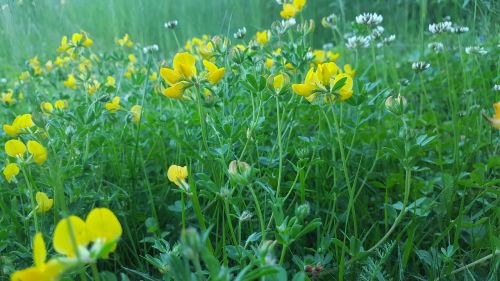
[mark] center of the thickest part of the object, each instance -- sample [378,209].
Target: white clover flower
[171,24]
[460,29]
[369,19]
[475,50]
[358,42]
[309,55]
[496,88]
[240,33]
[440,27]
[246,215]
[436,47]
[377,31]
[289,22]
[386,40]
[420,66]
[151,49]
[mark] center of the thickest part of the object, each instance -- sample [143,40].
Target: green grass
[353,190]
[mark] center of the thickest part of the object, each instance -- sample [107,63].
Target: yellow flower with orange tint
[10,171]
[114,105]
[38,152]
[44,203]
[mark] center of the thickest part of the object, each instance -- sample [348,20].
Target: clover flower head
[460,29]
[355,42]
[436,47]
[475,50]
[240,33]
[171,24]
[150,49]
[420,66]
[440,27]
[369,19]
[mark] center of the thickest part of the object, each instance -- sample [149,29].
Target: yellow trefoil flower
[8,97]
[10,171]
[136,111]
[38,152]
[110,81]
[495,120]
[41,270]
[70,82]
[64,46]
[19,124]
[215,73]
[263,37]
[61,104]
[125,41]
[46,107]
[289,11]
[114,105]
[132,58]
[299,4]
[65,230]
[178,175]
[184,68]
[15,148]
[44,203]
[278,82]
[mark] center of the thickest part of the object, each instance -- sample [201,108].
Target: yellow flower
[21,122]
[49,65]
[345,91]
[299,4]
[110,81]
[10,171]
[76,38]
[42,270]
[215,74]
[308,87]
[44,203]
[46,107]
[319,56]
[177,175]
[349,70]
[24,76]
[61,104]
[38,151]
[93,86]
[125,41]
[175,91]
[263,37]
[278,82]
[64,45]
[102,224]
[184,65]
[495,120]
[136,111]
[332,56]
[269,63]
[8,97]
[114,105]
[69,230]
[153,76]
[70,82]
[15,148]
[132,58]
[206,50]
[289,11]
[87,42]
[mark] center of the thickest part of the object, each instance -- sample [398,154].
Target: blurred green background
[34,27]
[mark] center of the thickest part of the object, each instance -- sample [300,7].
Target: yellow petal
[216,75]
[15,148]
[69,233]
[38,151]
[176,91]
[10,130]
[39,250]
[176,174]
[44,203]
[304,90]
[209,65]
[10,171]
[169,75]
[102,224]
[278,82]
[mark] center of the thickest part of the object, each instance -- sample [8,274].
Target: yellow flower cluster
[290,10]
[72,237]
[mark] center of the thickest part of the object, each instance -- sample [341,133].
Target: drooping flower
[178,175]
[114,105]
[44,203]
[38,151]
[215,73]
[10,171]
[15,148]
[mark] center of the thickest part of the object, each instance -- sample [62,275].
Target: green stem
[280,147]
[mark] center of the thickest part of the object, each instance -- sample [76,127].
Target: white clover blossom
[246,215]
[496,88]
[436,47]
[171,24]
[386,40]
[369,19]
[420,66]
[151,49]
[475,50]
[358,42]
[377,32]
[289,22]
[440,27]
[460,29]
[240,33]
[309,55]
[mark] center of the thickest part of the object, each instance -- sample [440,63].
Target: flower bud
[302,211]
[396,104]
[239,172]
